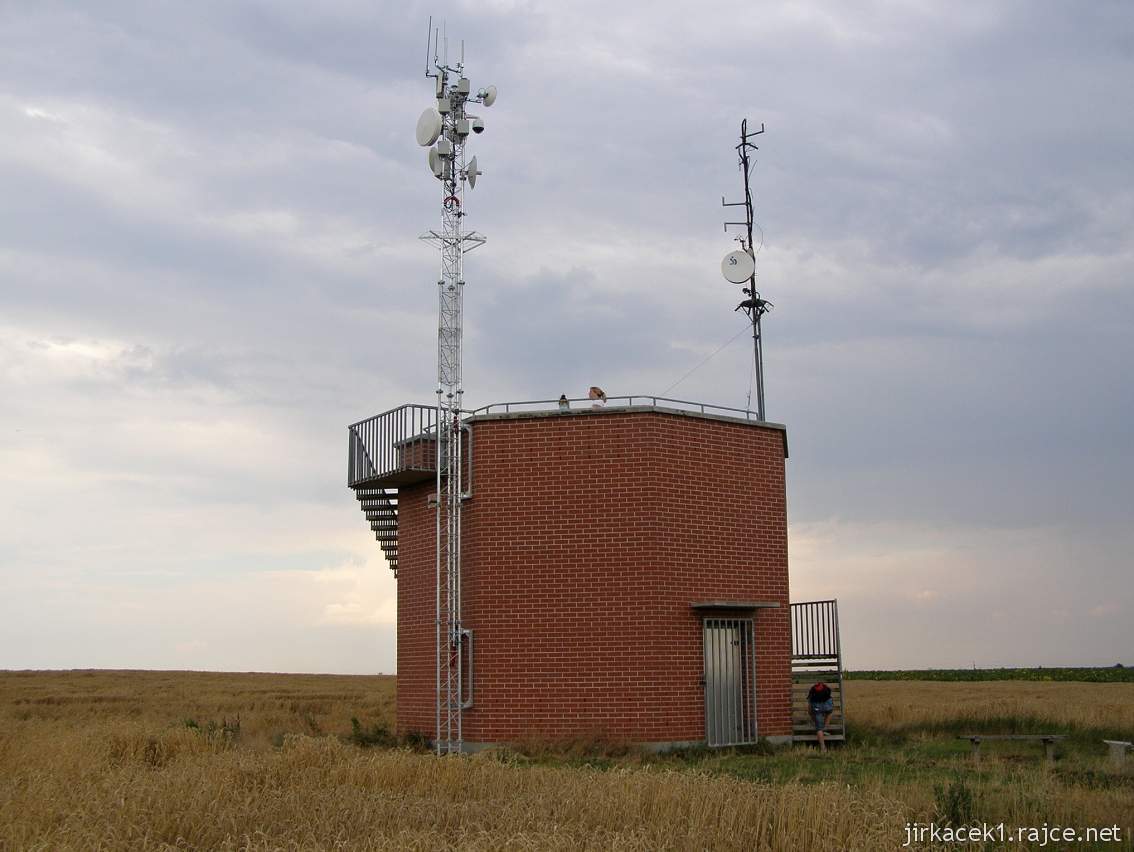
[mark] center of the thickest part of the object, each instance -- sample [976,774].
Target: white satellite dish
[473,172]
[428,127]
[489,96]
[435,162]
[738,266]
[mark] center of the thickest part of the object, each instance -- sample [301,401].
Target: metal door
[730,682]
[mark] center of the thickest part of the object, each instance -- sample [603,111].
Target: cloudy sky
[209,266]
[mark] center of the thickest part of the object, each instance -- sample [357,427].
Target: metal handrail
[468,634]
[815,630]
[614,402]
[375,445]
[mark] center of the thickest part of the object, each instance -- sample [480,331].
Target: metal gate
[730,682]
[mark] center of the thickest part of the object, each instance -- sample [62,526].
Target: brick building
[624,571]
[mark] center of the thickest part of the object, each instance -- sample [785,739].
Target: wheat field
[908,705]
[157,760]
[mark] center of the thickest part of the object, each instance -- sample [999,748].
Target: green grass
[1087,737]
[925,755]
[1113,674]
[923,761]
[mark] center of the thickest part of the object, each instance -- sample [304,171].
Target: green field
[1111,674]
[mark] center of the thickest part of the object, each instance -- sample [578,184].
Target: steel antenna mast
[753,305]
[445,129]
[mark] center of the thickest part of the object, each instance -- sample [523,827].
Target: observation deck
[399,447]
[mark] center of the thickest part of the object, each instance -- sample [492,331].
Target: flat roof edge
[625,409]
[712,605]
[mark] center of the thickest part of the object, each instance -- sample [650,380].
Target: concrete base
[653,748]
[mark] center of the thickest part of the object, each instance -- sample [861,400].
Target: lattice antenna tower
[739,266]
[445,129]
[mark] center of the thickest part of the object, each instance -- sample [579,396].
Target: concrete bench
[1118,749]
[1048,741]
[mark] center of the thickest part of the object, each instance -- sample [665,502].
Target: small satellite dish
[428,127]
[738,266]
[489,96]
[473,172]
[435,162]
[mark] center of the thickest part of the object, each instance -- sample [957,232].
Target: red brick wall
[586,541]
[418,454]
[416,610]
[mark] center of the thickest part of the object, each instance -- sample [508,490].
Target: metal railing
[617,402]
[815,630]
[385,443]
[816,654]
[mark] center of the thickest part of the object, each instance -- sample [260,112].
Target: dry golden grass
[896,705]
[110,787]
[104,760]
[268,705]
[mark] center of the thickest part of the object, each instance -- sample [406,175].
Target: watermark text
[983,832]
